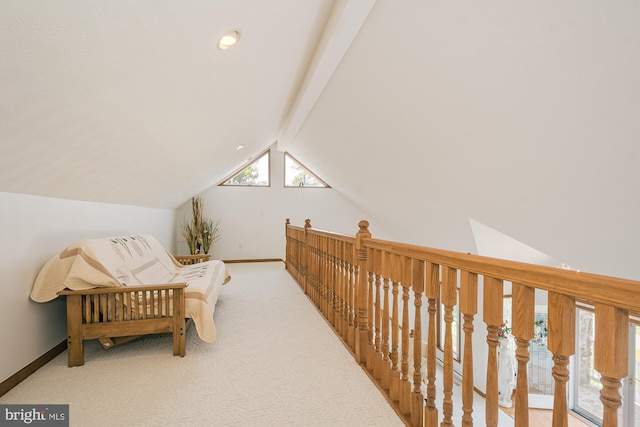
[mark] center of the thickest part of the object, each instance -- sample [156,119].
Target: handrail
[622,293]
[367,287]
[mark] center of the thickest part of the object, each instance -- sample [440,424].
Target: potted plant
[200,234]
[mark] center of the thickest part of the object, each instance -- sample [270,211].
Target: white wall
[520,116]
[34,229]
[252,219]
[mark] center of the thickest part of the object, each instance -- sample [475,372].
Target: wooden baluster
[323,278]
[405,385]
[305,257]
[377,320]
[346,292]
[562,343]
[309,265]
[326,283]
[353,306]
[337,288]
[468,308]
[330,282]
[432,293]
[320,276]
[611,357]
[331,285]
[315,273]
[287,250]
[396,272]
[362,295]
[371,309]
[323,266]
[449,300]
[523,307]
[352,299]
[386,361]
[320,273]
[345,302]
[314,266]
[492,308]
[417,399]
[340,286]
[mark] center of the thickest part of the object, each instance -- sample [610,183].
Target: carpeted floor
[276,363]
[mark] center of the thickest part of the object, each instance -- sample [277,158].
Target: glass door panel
[539,368]
[587,401]
[587,382]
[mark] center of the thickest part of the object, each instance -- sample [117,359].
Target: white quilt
[129,261]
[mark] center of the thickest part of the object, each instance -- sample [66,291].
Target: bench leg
[75,345]
[178,338]
[179,347]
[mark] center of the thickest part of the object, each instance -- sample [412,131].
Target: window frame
[303,166]
[267,152]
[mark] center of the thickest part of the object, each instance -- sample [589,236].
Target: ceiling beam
[343,25]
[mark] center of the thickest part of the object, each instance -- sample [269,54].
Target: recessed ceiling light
[229,39]
[240,147]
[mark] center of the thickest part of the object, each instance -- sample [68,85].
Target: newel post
[362,293]
[304,264]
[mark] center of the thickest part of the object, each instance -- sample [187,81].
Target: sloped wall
[252,219]
[520,116]
[34,229]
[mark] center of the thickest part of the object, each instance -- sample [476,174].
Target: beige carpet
[276,363]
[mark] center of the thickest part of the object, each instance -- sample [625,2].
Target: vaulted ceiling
[521,117]
[132,102]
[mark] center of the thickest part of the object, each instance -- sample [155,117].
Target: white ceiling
[131,102]
[430,116]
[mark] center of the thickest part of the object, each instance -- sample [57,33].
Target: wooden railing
[367,288]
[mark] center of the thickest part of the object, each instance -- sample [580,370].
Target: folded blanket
[133,260]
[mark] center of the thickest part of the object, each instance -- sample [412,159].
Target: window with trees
[256,173]
[297,175]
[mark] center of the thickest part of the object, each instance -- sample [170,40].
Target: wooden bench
[119,314]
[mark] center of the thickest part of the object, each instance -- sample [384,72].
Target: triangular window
[255,174]
[297,175]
